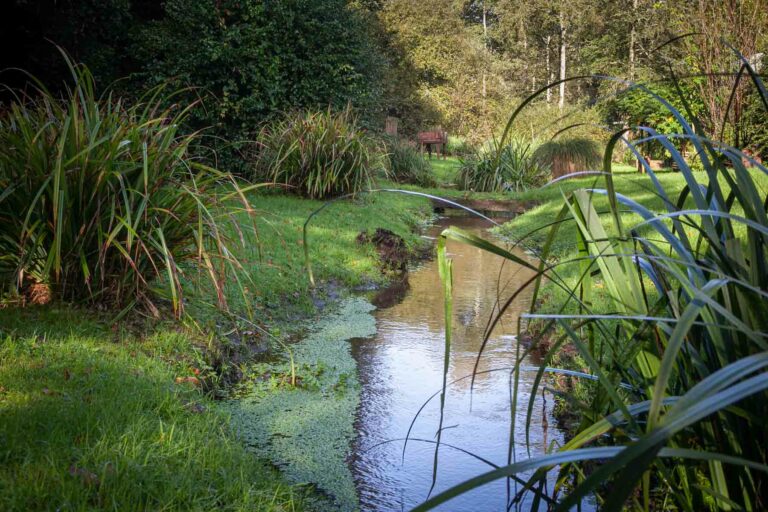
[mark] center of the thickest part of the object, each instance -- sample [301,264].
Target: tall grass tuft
[100,201]
[502,167]
[569,155]
[317,154]
[678,362]
[407,164]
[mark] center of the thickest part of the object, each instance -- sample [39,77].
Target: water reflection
[402,367]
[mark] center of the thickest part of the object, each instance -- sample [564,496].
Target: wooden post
[391,126]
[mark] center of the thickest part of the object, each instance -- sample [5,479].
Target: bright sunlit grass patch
[273,256]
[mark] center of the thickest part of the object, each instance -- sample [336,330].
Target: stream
[402,366]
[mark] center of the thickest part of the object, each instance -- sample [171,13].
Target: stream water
[402,366]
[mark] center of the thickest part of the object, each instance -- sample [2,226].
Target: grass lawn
[272,252]
[95,417]
[445,170]
[532,229]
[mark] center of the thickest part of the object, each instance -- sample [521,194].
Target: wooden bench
[437,138]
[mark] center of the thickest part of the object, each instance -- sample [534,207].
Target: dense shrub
[251,59]
[406,164]
[99,201]
[496,168]
[569,155]
[317,154]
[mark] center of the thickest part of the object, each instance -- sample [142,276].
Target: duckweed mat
[307,430]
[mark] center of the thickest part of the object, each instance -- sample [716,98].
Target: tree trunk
[563,49]
[633,41]
[549,68]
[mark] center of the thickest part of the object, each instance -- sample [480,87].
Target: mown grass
[445,170]
[531,228]
[273,255]
[93,419]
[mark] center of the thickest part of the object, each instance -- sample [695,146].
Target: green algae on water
[307,431]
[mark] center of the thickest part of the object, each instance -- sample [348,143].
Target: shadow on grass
[87,422]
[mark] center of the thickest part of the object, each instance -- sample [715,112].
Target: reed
[502,167]
[677,381]
[101,201]
[407,164]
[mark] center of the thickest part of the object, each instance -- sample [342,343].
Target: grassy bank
[97,415]
[445,170]
[94,418]
[532,228]
[273,253]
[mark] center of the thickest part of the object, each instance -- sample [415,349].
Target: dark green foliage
[249,59]
[754,128]
[496,168]
[100,201]
[407,164]
[94,31]
[317,154]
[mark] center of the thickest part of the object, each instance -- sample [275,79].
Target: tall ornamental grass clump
[100,201]
[317,154]
[501,167]
[677,364]
[569,155]
[406,164]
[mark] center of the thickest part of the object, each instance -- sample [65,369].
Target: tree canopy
[459,64]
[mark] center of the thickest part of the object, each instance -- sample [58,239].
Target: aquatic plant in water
[307,429]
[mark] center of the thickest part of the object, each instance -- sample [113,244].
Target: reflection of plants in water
[678,357]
